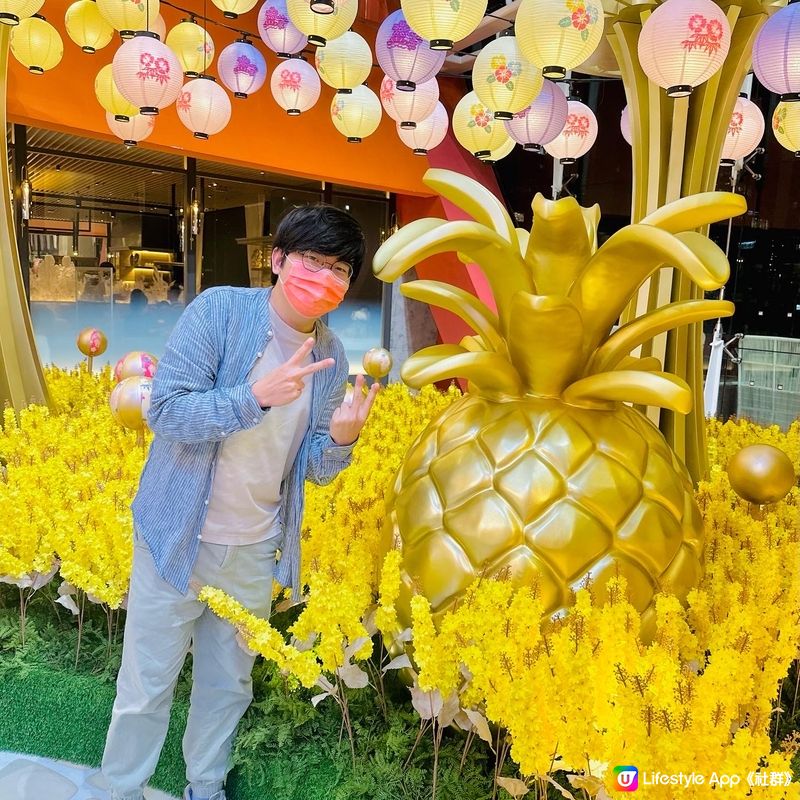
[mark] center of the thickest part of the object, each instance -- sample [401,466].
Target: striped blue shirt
[201,395]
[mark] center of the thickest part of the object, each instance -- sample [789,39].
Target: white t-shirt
[246,491]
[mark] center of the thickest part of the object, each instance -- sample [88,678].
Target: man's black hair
[323,228]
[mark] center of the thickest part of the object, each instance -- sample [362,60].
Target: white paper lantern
[322,28]
[295,86]
[404,55]
[504,79]
[203,107]
[110,97]
[541,121]
[786,126]
[147,73]
[277,31]
[578,135]
[36,44]
[87,27]
[135,130]
[476,128]
[776,53]
[193,47]
[443,22]
[428,133]
[744,131]
[128,17]
[409,108]
[625,126]
[231,9]
[12,11]
[345,62]
[683,43]
[242,68]
[356,115]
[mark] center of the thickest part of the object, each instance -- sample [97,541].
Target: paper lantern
[744,131]
[322,28]
[110,97]
[404,55]
[556,36]
[158,27]
[776,53]
[147,73]
[130,402]
[133,130]
[137,363]
[242,68]
[356,115]
[345,62]
[129,17]
[683,43]
[786,126]
[625,126]
[409,108]
[501,152]
[203,107]
[476,128]
[504,79]
[445,22]
[578,135]
[193,47]
[277,31]
[541,121]
[231,9]
[428,133]
[36,44]
[295,86]
[87,27]
[12,11]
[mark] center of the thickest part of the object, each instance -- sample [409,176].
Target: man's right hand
[286,383]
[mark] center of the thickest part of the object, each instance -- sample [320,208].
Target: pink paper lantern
[744,131]
[204,107]
[625,126]
[136,129]
[409,108]
[776,53]
[147,73]
[277,31]
[295,86]
[242,68]
[428,133]
[541,121]
[404,55]
[578,135]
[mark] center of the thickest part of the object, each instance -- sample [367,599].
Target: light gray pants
[161,623]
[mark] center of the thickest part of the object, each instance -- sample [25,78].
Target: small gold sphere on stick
[377,362]
[92,342]
[130,402]
[761,474]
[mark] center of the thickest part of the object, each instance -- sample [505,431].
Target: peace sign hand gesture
[348,420]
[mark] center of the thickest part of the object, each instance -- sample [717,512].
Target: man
[247,404]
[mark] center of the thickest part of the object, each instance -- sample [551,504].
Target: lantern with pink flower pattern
[541,121]
[404,55]
[147,73]
[578,135]
[204,107]
[242,68]
[744,131]
[132,130]
[277,31]
[295,86]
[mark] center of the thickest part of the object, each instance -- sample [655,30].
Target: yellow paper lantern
[475,127]
[193,46]
[322,28]
[231,9]
[110,98]
[557,35]
[501,152]
[127,17]
[443,22]
[36,44]
[12,11]
[345,62]
[504,79]
[87,27]
[786,126]
[356,115]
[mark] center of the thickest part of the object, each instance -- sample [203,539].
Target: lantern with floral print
[87,27]
[557,35]
[137,363]
[428,133]
[409,108]
[476,128]
[683,43]
[356,115]
[91,342]
[322,28]
[231,9]
[344,62]
[193,47]
[277,31]
[147,73]
[203,107]
[242,68]
[36,44]
[744,131]
[504,79]
[12,11]
[132,130]
[786,126]
[541,121]
[295,86]
[776,53]
[129,17]
[443,22]
[110,98]
[625,125]
[578,135]
[404,55]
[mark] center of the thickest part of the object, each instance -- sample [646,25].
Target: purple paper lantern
[404,55]
[776,53]
[541,121]
[242,68]
[277,31]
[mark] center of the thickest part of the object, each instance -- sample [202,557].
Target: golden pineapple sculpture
[543,471]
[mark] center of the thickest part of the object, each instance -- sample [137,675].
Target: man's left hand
[348,420]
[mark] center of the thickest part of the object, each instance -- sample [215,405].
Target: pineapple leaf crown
[558,295]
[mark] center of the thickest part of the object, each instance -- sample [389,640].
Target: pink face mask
[312,294]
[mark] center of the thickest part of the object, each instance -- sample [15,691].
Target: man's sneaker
[187,795]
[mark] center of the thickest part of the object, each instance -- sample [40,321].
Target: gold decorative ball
[135,364]
[377,362]
[92,342]
[130,402]
[761,474]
